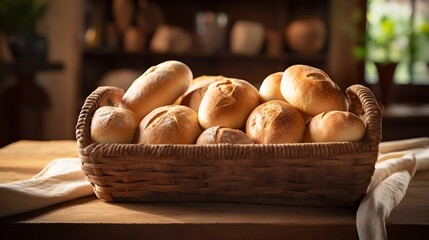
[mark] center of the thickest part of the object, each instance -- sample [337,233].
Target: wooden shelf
[29,67]
[273,15]
[321,57]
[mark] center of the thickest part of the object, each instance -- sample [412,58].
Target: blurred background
[54,53]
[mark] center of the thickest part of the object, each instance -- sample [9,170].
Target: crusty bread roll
[111,124]
[193,96]
[228,103]
[270,90]
[171,124]
[221,134]
[270,87]
[334,126]
[160,85]
[275,121]
[311,90]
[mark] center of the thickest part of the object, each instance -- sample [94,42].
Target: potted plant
[385,43]
[18,20]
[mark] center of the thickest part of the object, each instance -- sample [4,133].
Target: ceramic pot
[306,35]
[211,29]
[385,71]
[123,12]
[134,40]
[28,45]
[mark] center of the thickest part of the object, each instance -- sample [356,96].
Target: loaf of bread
[171,124]
[311,90]
[334,126]
[193,96]
[275,121]
[159,86]
[270,87]
[228,103]
[111,124]
[221,134]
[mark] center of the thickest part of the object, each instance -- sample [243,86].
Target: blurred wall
[62,26]
[344,68]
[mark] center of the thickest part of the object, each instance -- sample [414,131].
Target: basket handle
[101,96]
[362,102]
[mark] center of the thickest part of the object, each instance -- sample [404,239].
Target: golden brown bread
[111,124]
[275,121]
[193,96]
[172,124]
[160,85]
[221,134]
[334,126]
[270,87]
[228,103]
[311,90]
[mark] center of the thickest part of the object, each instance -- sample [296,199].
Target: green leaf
[21,15]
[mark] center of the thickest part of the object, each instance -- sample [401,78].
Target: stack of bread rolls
[166,105]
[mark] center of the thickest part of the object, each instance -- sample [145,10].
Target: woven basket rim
[231,151]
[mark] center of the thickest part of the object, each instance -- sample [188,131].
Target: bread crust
[275,121]
[228,103]
[219,134]
[311,90]
[159,86]
[172,124]
[193,96]
[111,124]
[335,126]
[270,87]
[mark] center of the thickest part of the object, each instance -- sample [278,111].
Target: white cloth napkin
[61,180]
[396,165]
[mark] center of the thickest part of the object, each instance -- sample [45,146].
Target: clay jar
[134,40]
[306,35]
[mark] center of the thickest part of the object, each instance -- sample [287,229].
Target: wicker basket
[300,174]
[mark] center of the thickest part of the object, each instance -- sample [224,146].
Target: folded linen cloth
[396,165]
[61,180]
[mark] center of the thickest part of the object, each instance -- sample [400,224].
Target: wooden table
[90,218]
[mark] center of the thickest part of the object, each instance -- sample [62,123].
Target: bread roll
[172,124]
[193,96]
[311,90]
[160,85]
[221,134]
[111,124]
[334,126]
[270,90]
[270,87]
[275,121]
[228,103]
